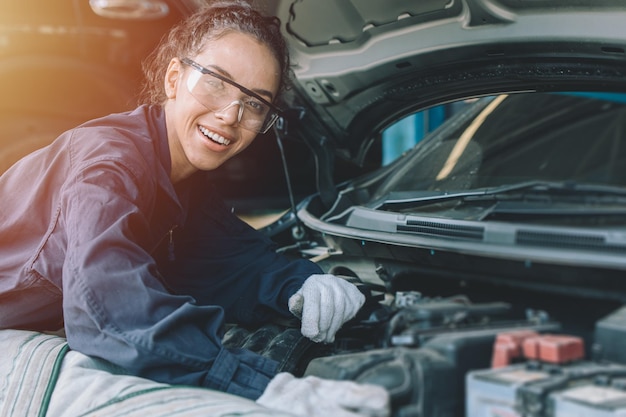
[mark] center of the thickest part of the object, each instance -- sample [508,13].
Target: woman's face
[203,139]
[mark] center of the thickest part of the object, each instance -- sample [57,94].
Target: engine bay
[446,347]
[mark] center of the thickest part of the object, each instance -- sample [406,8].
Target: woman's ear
[172,75]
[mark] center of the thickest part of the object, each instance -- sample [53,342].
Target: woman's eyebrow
[259,91]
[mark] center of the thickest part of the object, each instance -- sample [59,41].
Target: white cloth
[90,387]
[40,376]
[324,303]
[316,397]
[28,369]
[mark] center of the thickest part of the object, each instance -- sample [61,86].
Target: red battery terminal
[556,349]
[528,344]
[508,347]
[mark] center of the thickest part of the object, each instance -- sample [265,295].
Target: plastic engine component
[417,379]
[610,338]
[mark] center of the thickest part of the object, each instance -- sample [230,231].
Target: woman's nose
[231,113]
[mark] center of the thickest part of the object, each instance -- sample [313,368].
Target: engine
[452,355]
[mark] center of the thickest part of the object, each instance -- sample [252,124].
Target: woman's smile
[213,136]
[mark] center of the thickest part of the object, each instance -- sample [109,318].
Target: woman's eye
[214,84]
[255,105]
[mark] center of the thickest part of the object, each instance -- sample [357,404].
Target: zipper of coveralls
[171,255]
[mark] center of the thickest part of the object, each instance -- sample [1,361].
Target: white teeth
[214,136]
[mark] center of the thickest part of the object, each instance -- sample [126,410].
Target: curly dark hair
[188,37]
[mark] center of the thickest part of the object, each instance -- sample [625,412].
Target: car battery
[604,397]
[538,389]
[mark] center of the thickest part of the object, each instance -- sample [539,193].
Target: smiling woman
[113,232]
[206,133]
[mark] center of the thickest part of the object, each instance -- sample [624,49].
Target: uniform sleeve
[116,308]
[221,260]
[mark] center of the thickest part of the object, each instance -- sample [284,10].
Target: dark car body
[63,62]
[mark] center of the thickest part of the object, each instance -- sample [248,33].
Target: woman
[113,233]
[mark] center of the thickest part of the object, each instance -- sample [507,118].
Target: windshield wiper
[547,189]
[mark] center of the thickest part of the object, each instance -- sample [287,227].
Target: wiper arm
[398,200]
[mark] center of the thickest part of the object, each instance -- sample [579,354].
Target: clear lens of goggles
[215,95]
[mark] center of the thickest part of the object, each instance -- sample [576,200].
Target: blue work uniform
[140,272]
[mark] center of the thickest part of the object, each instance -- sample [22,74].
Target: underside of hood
[359,66]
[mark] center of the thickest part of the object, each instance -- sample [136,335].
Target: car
[491,251]
[490,241]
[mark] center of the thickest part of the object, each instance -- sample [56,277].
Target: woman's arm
[116,308]
[221,260]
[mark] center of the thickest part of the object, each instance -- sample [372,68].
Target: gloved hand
[315,397]
[324,303]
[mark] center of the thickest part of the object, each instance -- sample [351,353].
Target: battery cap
[557,349]
[508,347]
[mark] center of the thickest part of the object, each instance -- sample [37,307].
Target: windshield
[509,139]
[530,176]
[537,158]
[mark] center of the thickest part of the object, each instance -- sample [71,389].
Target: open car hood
[359,66]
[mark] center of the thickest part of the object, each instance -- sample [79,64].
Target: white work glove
[324,303]
[315,397]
